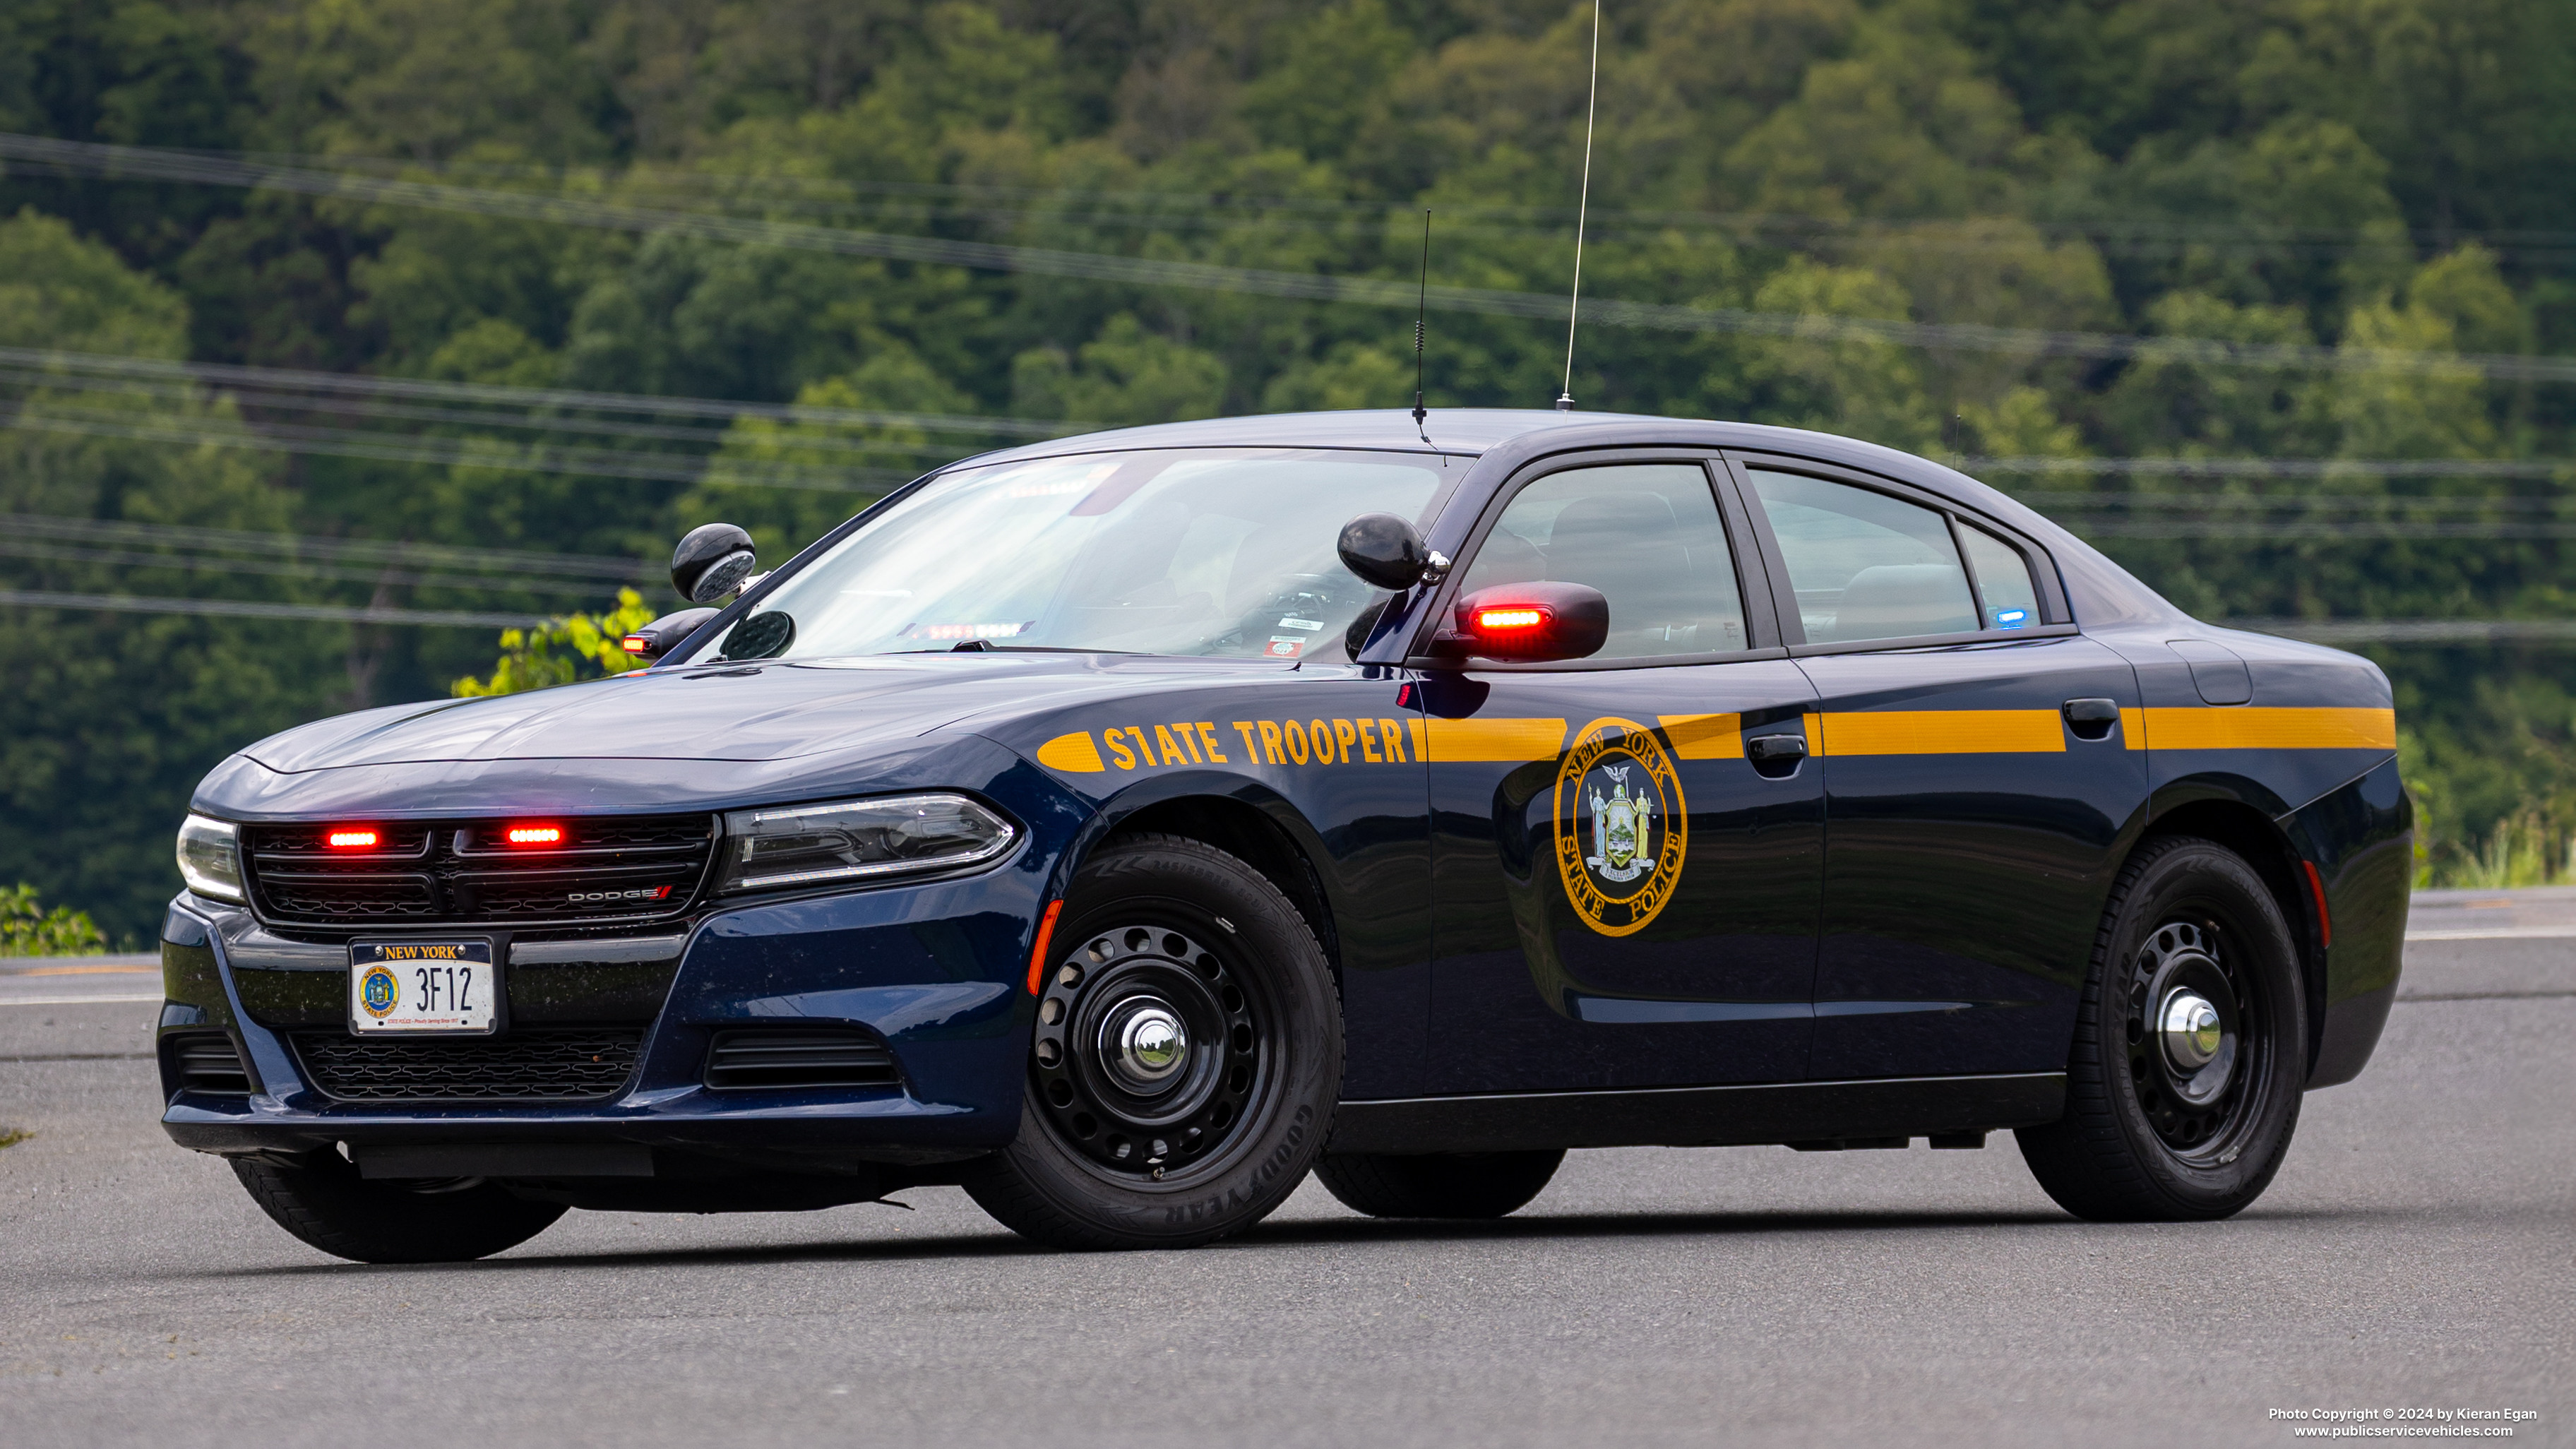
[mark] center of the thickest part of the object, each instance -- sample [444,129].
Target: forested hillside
[2275,299]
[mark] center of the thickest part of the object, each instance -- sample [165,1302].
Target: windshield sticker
[1284,646]
[1309,625]
[1622,828]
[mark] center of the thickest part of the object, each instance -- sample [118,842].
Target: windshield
[1226,552]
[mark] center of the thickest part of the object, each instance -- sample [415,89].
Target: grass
[11,1136]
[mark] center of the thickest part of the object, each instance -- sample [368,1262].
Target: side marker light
[2317,887]
[1038,951]
[635,644]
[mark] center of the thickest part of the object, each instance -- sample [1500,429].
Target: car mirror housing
[1533,623]
[1384,550]
[664,634]
[711,562]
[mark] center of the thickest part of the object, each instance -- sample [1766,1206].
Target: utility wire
[254,609]
[149,163]
[286,379]
[365,549]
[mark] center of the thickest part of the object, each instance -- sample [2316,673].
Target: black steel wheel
[322,1200]
[2190,1047]
[1438,1184]
[1185,1061]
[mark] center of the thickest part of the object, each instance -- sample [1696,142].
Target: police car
[1124,826]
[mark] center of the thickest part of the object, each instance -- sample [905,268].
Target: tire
[325,1202]
[2151,1133]
[1438,1185]
[1109,1158]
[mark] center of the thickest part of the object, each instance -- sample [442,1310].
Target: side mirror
[712,562]
[1384,550]
[1533,623]
[648,644]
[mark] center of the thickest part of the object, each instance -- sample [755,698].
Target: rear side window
[2003,580]
[1647,535]
[1865,565]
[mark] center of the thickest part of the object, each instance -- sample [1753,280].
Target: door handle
[1776,756]
[2092,719]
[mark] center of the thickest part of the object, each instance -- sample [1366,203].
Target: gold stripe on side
[1457,741]
[1943,732]
[1705,736]
[2133,728]
[2254,727]
[1074,754]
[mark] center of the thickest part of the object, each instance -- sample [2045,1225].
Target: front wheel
[1186,1061]
[325,1202]
[2190,1047]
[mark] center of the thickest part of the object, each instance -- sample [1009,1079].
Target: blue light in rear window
[2011,618]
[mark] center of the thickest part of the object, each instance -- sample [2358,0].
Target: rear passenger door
[1621,897]
[1972,805]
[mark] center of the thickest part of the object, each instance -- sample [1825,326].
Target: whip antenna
[1574,304]
[1422,310]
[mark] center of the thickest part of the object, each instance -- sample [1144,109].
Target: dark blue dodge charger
[1124,826]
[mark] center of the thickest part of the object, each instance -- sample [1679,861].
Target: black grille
[210,1064]
[781,1059]
[524,1066]
[465,872]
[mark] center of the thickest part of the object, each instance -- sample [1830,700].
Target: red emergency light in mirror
[1533,622]
[527,835]
[352,838]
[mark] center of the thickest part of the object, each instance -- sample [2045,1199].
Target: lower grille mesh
[789,1059]
[524,1066]
[210,1064]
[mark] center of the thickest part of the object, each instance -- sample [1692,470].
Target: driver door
[1621,898]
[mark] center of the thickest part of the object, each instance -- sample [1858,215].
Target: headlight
[210,858]
[794,845]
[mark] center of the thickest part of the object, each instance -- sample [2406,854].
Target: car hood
[743,713]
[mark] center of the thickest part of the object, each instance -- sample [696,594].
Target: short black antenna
[1422,310]
[1574,304]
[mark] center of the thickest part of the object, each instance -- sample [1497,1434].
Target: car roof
[2105,591]
[1467,431]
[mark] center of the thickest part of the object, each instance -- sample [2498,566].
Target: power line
[579,462]
[2282,467]
[287,379]
[58,553]
[1206,276]
[379,550]
[2412,631]
[253,609]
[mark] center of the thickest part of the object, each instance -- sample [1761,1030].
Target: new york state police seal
[1622,828]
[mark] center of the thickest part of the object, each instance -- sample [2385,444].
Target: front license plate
[422,986]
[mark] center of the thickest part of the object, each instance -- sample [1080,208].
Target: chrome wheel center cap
[2189,1025]
[1148,1045]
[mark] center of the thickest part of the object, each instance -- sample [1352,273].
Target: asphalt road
[2418,1250]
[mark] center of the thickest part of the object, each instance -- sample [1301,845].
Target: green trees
[2369,176]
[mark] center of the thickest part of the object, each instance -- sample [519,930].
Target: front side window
[1219,551]
[1647,535]
[1865,565]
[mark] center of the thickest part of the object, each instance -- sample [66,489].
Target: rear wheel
[2190,1047]
[1187,1056]
[1439,1184]
[323,1201]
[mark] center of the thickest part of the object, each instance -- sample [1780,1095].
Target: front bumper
[933,970]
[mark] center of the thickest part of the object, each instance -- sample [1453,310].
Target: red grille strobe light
[1537,621]
[533,836]
[352,837]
